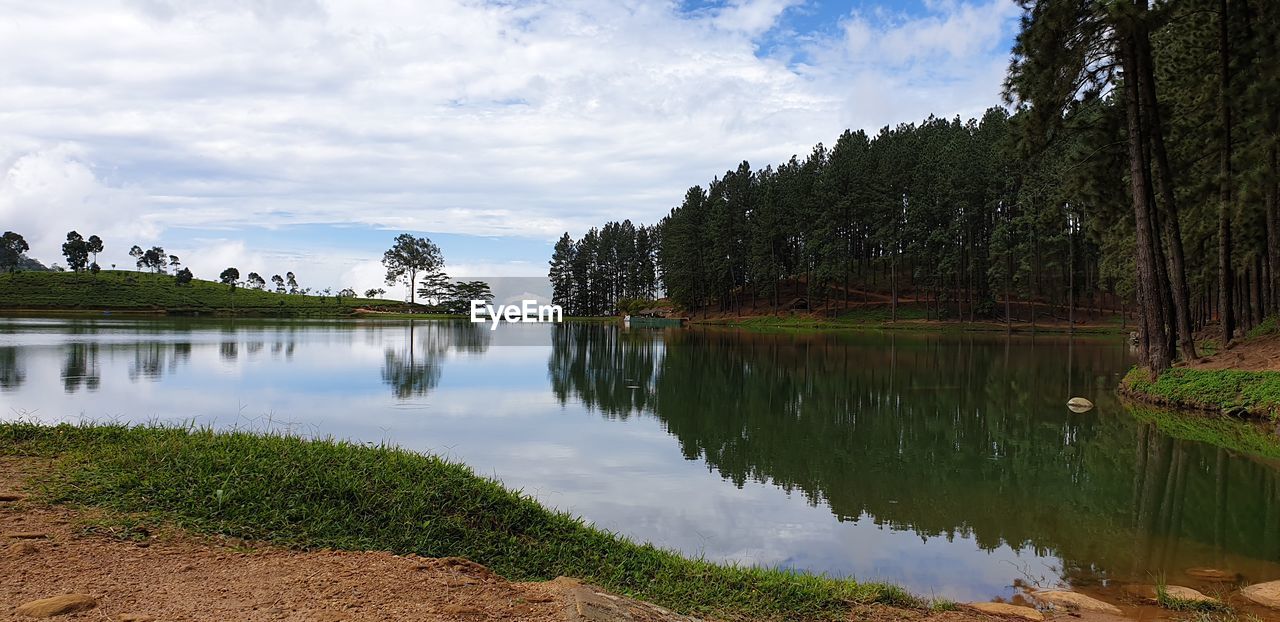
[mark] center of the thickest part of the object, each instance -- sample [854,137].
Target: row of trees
[610,265]
[1137,164]
[1189,95]
[944,213]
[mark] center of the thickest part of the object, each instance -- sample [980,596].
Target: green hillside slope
[137,291]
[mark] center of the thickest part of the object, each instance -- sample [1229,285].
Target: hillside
[119,290]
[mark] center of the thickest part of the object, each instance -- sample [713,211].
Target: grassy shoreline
[332,494]
[1228,392]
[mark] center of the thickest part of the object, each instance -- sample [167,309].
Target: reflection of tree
[605,368]
[414,370]
[229,350]
[152,358]
[943,436]
[12,375]
[80,367]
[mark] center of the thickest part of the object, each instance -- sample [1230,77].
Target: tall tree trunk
[1156,352]
[1225,280]
[1270,199]
[1172,228]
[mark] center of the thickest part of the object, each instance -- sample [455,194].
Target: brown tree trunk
[1151,302]
[1225,273]
[1172,229]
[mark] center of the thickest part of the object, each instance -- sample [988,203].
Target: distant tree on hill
[76,250]
[183,276]
[347,292]
[155,260]
[174,261]
[435,287]
[278,281]
[255,280]
[461,294]
[94,246]
[136,252]
[409,256]
[12,246]
[374,292]
[229,277]
[292,282]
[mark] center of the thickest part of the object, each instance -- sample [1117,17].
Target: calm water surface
[947,464]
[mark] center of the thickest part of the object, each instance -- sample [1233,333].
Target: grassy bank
[1227,391]
[123,291]
[318,494]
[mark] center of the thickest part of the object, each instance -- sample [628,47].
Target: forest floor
[1242,379]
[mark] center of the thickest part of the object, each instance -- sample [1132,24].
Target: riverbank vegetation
[318,494]
[1229,391]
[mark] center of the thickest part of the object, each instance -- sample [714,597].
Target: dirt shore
[167,575]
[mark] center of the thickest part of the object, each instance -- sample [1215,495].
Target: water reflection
[413,369]
[12,373]
[948,464]
[954,438]
[152,359]
[81,367]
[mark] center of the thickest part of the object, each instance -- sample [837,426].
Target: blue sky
[277,135]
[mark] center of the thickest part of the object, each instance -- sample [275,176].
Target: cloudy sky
[302,135]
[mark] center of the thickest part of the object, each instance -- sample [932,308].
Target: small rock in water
[1211,574]
[1074,600]
[1267,594]
[1005,609]
[1079,404]
[57,605]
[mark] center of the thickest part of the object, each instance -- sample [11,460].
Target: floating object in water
[1079,405]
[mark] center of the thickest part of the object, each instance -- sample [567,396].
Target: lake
[947,463]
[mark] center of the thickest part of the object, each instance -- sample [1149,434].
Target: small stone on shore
[57,605]
[11,496]
[1177,592]
[1005,609]
[1266,594]
[26,535]
[134,617]
[1074,600]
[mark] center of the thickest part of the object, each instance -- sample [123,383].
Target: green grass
[119,290]
[1267,327]
[331,494]
[1255,393]
[1173,603]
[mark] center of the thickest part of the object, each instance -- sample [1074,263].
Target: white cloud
[449,115]
[46,193]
